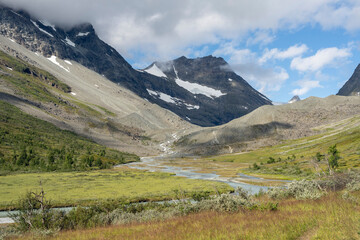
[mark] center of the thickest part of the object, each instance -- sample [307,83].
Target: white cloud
[264,79]
[246,64]
[260,37]
[235,55]
[305,87]
[321,58]
[345,15]
[167,28]
[293,51]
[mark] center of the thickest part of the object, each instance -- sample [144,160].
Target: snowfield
[196,88]
[42,30]
[80,34]
[53,60]
[69,42]
[173,100]
[154,70]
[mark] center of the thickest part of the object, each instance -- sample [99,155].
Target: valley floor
[73,188]
[330,217]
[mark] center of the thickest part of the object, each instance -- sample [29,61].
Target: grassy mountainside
[297,158]
[29,81]
[28,143]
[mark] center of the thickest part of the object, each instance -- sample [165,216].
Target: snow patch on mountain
[196,88]
[163,96]
[42,30]
[17,14]
[68,62]
[53,60]
[169,99]
[191,107]
[69,42]
[154,70]
[46,23]
[81,34]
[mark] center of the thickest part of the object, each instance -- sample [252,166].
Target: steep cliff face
[202,91]
[215,89]
[352,86]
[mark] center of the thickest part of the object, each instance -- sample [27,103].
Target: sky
[281,47]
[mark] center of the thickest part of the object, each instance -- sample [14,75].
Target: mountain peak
[352,86]
[295,98]
[199,90]
[207,87]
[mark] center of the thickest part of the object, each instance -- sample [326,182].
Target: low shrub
[298,189]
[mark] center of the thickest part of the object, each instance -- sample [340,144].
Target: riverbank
[81,188]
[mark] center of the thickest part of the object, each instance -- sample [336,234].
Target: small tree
[319,156]
[333,158]
[34,212]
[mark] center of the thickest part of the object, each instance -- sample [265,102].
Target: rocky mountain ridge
[213,85]
[81,44]
[352,86]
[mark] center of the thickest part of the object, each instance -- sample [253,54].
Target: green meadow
[72,188]
[293,159]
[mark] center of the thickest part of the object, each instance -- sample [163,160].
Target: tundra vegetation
[30,144]
[84,188]
[120,203]
[324,208]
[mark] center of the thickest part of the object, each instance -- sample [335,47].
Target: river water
[155,164]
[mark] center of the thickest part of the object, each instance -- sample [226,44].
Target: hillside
[269,125]
[89,104]
[30,144]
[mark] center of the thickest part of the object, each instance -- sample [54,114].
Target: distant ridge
[352,86]
[295,98]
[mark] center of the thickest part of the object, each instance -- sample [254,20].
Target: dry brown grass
[330,217]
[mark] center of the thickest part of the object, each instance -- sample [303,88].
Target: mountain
[295,98]
[80,100]
[269,125]
[217,94]
[204,91]
[352,86]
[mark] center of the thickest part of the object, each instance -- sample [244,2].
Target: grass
[71,188]
[330,217]
[346,135]
[26,143]
[31,81]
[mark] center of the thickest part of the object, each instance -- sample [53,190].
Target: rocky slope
[352,86]
[232,98]
[100,109]
[217,92]
[269,125]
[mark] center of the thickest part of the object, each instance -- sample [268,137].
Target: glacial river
[155,164]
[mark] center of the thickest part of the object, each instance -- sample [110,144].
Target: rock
[352,86]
